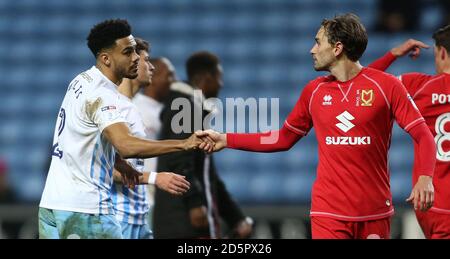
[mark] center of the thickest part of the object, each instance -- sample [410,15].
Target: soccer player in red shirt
[431,93]
[352,110]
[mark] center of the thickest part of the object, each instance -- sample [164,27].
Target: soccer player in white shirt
[76,202]
[150,103]
[131,205]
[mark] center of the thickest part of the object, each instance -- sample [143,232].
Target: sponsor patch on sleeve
[109,107]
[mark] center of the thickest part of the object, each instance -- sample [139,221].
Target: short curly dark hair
[349,30]
[104,35]
[201,62]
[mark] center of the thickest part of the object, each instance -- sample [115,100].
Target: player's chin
[132,75]
[319,68]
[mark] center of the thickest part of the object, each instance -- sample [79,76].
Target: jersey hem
[440,211]
[71,209]
[351,218]
[140,223]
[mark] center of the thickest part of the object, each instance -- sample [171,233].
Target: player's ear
[443,52]
[105,59]
[338,48]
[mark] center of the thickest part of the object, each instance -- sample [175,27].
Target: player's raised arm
[129,146]
[410,46]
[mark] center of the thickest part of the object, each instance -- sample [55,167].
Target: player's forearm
[134,147]
[426,149]
[384,62]
[143,179]
[273,141]
[129,146]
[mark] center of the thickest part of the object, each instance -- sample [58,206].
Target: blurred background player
[431,93]
[150,102]
[6,193]
[131,204]
[76,199]
[197,214]
[393,17]
[7,197]
[352,110]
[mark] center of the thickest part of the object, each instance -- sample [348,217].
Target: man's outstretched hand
[219,139]
[410,46]
[172,183]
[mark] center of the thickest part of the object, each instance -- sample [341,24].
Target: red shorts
[329,228]
[434,225]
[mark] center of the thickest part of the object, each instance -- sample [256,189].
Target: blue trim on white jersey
[130,205]
[135,197]
[92,172]
[126,204]
[114,195]
[110,184]
[102,177]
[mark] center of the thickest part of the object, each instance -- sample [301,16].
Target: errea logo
[327,100]
[345,124]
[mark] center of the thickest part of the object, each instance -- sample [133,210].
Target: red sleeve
[299,121]
[384,62]
[414,81]
[273,141]
[402,106]
[297,125]
[425,157]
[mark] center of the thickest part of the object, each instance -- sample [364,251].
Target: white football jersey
[131,205]
[150,110]
[80,174]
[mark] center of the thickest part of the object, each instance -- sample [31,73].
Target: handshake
[207,140]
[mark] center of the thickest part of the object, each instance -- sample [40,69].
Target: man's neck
[126,88]
[446,68]
[345,70]
[109,74]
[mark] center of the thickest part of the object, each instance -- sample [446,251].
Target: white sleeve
[104,109]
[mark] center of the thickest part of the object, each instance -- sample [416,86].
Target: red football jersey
[353,123]
[432,96]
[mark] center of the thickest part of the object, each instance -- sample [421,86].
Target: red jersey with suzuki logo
[432,96]
[353,124]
